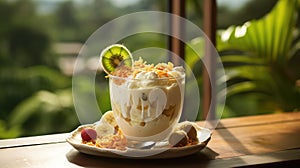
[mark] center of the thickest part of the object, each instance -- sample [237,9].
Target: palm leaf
[269,37]
[265,47]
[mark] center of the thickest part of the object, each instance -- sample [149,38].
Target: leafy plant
[45,112]
[259,59]
[36,100]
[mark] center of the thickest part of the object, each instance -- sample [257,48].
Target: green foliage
[27,67]
[258,59]
[26,53]
[5,132]
[239,16]
[45,112]
[77,23]
[28,81]
[24,41]
[194,62]
[35,95]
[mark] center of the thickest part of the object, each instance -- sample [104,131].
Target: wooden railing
[262,141]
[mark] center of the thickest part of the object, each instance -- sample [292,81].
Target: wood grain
[255,140]
[259,119]
[28,141]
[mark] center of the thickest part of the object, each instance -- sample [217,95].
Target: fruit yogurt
[147,99]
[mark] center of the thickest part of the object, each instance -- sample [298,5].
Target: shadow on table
[199,159]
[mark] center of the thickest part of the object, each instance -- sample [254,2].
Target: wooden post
[176,46]
[209,27]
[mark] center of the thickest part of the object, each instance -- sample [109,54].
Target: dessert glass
[147,109]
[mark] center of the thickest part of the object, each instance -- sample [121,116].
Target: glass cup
[146,110]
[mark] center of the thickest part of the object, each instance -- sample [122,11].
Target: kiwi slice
[114,56]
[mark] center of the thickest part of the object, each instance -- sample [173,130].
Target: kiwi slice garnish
[115,56]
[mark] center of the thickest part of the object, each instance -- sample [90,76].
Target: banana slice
[178,139]
[189,128]
[104,129]
[108,117]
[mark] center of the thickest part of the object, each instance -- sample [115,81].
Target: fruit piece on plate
[88,134]
[104,129]
[189,129]
[178,139]
[115,56]
[108,117]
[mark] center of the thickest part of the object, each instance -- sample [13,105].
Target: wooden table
[259,141]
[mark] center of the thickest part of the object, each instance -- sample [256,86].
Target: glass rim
[156,79]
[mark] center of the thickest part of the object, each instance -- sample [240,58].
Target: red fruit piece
[88,134]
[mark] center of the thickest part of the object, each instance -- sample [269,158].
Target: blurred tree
[67,24]
[194,11]
[23,44]
[77,23]
[24,12]
[6,18]
[23,41]
[27,67]
[29,46]
[66,15]
[254,9]
[257,8]
[45,112]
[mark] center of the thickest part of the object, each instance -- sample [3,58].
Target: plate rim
[113,153]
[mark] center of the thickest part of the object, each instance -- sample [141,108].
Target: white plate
[203,135]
